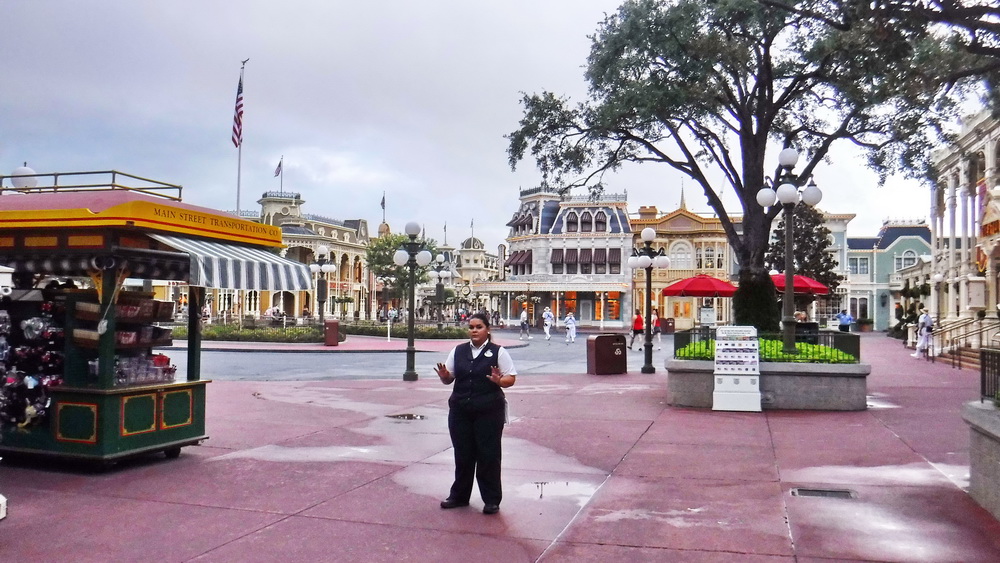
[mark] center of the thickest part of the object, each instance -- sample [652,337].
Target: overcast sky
[403,97]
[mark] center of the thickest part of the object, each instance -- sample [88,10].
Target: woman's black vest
[473,389]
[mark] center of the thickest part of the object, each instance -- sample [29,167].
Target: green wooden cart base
[113,424]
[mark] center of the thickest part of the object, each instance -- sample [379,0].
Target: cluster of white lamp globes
[402,256]
[643,261]
[787,192]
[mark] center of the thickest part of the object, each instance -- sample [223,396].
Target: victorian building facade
[695,244]
[566,253]
[963,272]
[350,285]
[877,269]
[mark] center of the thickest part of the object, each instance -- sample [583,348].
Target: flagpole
[281,167]
[238,136]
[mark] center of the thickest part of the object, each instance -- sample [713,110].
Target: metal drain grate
[406,416]
[826,493]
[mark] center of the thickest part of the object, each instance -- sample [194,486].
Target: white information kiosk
[737,369]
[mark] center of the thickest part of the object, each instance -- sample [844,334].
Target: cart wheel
[172,453]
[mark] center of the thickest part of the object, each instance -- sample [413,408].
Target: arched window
[601,222]
[907,259]
[586,222]
[681,255]
[572,222]
[698,258]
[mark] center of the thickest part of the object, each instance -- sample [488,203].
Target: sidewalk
[353,343]
[596,468]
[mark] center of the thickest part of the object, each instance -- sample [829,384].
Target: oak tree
[713,88]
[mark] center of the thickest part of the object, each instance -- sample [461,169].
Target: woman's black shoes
[491,509]
[452,503]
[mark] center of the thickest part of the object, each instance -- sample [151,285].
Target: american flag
[238,117]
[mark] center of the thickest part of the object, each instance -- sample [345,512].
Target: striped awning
[557,256]
[513,258]
[600,256]
[586,255]
[229,266]
[571,255]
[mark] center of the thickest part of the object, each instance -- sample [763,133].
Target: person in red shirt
[638,326]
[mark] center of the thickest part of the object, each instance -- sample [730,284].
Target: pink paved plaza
[596,468]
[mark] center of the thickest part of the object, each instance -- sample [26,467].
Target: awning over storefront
[557,256]
[228,266]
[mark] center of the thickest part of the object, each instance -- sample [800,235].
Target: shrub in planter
[772,351]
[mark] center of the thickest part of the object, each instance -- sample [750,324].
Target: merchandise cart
[82,378]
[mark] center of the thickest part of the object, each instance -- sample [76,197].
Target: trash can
[807,333]
[606,354]
[331,332]
[669,325]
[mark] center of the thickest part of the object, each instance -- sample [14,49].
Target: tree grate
[825,493]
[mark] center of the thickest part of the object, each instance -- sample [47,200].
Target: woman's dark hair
[481,316]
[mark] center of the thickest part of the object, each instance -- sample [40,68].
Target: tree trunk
[755,303]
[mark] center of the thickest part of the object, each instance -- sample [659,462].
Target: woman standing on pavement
[477,412]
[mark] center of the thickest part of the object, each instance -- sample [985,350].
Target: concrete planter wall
[828,387]
[984,454]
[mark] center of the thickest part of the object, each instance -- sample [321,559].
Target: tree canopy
[712,88]
[811,252]
[396,279]
[971,25]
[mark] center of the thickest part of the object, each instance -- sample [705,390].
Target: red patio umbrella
[700,286]
[800,284]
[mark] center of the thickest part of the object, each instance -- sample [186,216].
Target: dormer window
[586,222]
[601,222]
[572,222]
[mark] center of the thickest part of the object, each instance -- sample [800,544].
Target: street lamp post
[439,273]
[788,195]
[412,254]
[322,267]
[646,258]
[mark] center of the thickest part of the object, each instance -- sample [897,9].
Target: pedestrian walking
[547,321]
[925,330]
[655,321]
[570,321]
[638,327]
[477,412]
[525,331]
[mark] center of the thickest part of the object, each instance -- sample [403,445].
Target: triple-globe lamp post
[322,267]
[646,258]
[413,254]
[789,193]
[439,272]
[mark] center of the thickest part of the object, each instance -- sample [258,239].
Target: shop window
[710,258]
